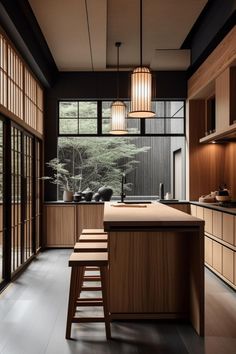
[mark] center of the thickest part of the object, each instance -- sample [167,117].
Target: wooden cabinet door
[59,225]
[234,268]
[217,256]
[228,228]
[208,251]
[208,220]
[222,87]
[193,209]
[217,224]
[228,264]
[89,216]
[200,212]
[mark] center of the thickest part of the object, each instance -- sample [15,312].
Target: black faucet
[123,181]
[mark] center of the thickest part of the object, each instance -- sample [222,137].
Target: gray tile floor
[33,316]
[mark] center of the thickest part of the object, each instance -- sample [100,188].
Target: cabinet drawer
[217,224]
[208,220]
[200,212]
[193,209]
[208,251]
[217,256]
[228,264]
[234,268]
[228,228]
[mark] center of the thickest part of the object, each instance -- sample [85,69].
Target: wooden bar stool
[77,262]
[90,247]
[93,232]
[93,238]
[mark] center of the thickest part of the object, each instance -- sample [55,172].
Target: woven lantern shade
[118,120]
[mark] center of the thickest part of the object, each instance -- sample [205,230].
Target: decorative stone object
[77,197]
[87,194]
[105,193]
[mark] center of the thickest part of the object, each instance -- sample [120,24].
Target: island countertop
[146,215]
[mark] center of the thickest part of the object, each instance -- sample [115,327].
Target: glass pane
[175,109]
[68,126]
[159,108]
[106,109]
[133,126]
[88,126]
[106,126]
[175,126]
[101,161]
[68,109]
[155,126]
[88,109]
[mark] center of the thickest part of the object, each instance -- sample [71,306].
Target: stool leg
[72,300]
[104,278]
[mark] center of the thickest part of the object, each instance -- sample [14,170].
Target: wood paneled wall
[206,161]
[230,167]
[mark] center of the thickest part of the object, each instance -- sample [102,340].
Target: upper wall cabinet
[224,114]
[215,82]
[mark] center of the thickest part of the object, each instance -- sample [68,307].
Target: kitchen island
[156,263]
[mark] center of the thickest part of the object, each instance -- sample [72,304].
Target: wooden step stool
[77,262]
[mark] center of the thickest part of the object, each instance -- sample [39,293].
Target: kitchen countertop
[214,206]
[114,201]
[146,215]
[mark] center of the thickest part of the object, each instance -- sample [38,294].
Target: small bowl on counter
[223,198]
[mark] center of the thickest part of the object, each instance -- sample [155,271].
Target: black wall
[98,85]
[215,21]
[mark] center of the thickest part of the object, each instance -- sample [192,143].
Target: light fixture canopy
[141,85]
[118,108]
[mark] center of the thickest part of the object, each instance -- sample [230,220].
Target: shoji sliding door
[1,201]
[16,199]
[22,198]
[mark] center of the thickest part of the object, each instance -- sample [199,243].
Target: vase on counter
[67,196]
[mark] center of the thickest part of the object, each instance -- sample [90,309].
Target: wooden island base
[155,271]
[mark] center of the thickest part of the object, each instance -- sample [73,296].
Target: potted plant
[63,178]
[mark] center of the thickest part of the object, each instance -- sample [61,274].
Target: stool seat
[90,247]
[93,231]
[93,238]
[88,259]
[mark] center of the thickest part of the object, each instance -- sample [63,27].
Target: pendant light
[141,84]
[118,108]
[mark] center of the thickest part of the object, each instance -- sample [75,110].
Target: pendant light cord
[141,33]
[90,45]
[118,44]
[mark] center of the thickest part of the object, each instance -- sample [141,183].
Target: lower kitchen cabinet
[217,223]
[89,216]
[217,256]
[59,221]
[228,264]
[220,242]
[64,223]
[208,250]
[228,228]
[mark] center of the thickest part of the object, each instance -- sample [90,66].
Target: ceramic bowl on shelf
[223,198]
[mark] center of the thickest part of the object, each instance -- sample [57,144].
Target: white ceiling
[166,24]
